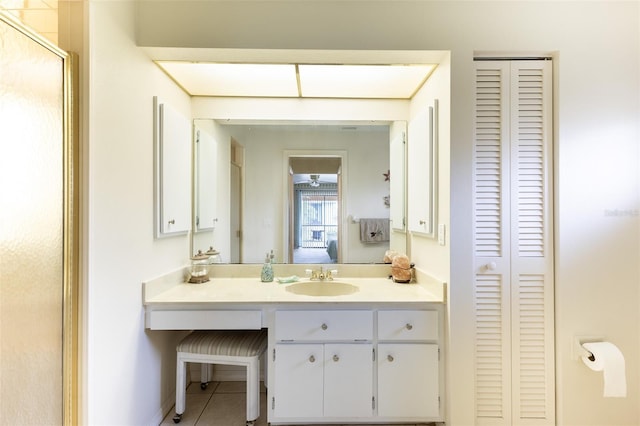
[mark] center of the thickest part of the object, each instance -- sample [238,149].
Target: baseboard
[165,408]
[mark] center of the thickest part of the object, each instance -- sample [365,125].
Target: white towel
[374,230]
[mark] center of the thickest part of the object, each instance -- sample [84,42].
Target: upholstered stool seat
[226,347]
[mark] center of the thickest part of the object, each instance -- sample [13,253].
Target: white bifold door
[513,243]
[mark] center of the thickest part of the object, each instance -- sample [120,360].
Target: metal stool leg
[205,375]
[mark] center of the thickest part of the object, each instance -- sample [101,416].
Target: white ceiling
[322,178]
[293,80]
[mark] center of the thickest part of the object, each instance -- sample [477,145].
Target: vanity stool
[227,347]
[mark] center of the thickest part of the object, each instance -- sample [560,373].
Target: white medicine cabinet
[204,180]
[398,177]
[172,169]
[423,171]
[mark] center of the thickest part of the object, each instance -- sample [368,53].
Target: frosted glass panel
[31,234]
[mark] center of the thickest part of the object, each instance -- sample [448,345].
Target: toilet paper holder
[588,354]
[579,351]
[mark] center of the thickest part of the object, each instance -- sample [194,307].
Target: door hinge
[274,354]
[373,355]
[404,137]
[438,354]
[438,401]
[197,220]
[373,402]
[273,402]
[198,136]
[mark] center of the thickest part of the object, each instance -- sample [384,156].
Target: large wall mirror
[292,186]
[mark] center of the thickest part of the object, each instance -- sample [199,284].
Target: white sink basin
[322,288]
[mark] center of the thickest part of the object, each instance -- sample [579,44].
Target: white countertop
[252,290]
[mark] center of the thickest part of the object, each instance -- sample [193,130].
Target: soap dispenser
[267,270]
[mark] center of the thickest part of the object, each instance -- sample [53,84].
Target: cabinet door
[423,166]
[173,170]
[408,382]
[205,181]
[297,381]
[348,380]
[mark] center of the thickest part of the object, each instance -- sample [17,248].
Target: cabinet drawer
[407,325]
[204,320]
[323,325]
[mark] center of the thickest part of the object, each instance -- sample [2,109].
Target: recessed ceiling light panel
[362,81]
[213,79]
[315,80]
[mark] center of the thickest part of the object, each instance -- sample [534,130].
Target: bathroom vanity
[369,355]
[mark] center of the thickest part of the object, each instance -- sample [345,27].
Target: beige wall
[129,372]
[595,45]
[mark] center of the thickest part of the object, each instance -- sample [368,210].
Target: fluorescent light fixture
[362,81]
[315,80]
[213,79]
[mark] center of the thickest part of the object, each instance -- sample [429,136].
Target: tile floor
[311,255]
[221,404]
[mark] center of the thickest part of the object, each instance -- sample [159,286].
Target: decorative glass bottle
[267,270]
[199,269]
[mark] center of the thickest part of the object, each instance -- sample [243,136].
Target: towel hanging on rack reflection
[374,230]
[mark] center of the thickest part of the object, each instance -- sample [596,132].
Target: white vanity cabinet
[322,365]
[372,357]
[323,380]
[408,364]
[355,366]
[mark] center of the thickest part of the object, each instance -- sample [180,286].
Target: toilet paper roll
[609,360]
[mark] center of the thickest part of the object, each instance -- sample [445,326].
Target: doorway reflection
[316,212]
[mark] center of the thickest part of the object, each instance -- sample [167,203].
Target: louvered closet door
[513,243]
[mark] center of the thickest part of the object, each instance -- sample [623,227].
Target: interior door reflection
[316,211]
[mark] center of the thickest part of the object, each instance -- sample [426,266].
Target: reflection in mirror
[264,193]
[315,208]
[398,184]
[204,180]
[235,202]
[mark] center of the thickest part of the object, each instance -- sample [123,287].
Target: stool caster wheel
[204,385]
[250,422]
[177,418]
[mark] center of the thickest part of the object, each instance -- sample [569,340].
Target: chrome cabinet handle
[389,358]
[324,326]
[336,358]
[312,358]
[172,222]
[408,326]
